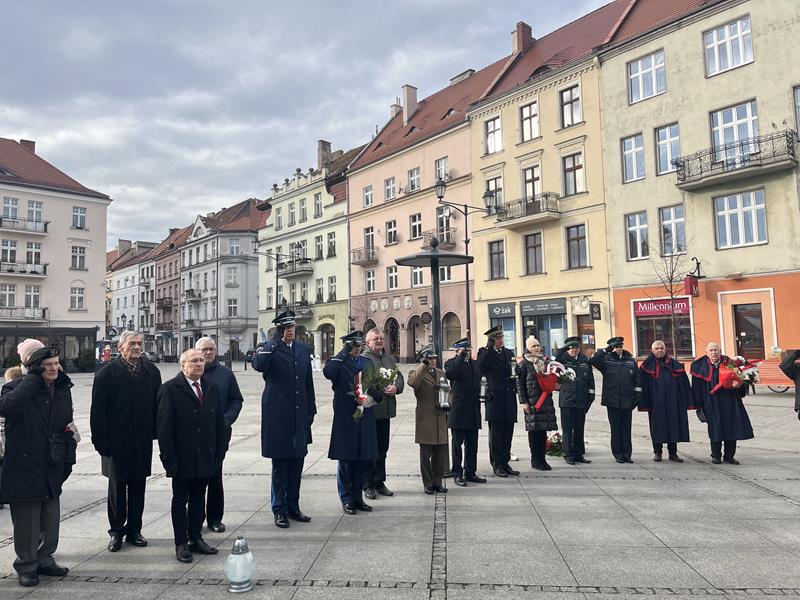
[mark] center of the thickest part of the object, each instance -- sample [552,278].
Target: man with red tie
[192,440]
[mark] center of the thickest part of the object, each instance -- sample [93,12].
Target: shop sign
[661,307]
[499,311]
[549,306]
[691,286]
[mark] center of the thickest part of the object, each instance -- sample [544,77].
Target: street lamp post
[489,207]
[276,257]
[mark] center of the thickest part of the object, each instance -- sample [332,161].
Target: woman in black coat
[790,366]
[40,452]
[537,421]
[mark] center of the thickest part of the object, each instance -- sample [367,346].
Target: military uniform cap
[462,343]
[616,341]
[572,342]
[284,319]
[354,337]
[426,352]
[495,331]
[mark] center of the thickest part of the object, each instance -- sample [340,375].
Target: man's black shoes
[500,473]
[675,458]
[430,490]
[116,542]
[475,479]
[716,460]
[730,461]
[581,459]
[281,520]
[370,493]
[54,570]
[183,554]
[28,579]
[217,526]
[460,481]
[440,488]
[361,505]
[383,490]
[200,547]
[297,515]
[136,540]
[350,509]
[511,471]
[569,460]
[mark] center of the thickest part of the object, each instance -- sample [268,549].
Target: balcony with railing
[164,327]
[164,303]
[145,281]
[191,324]
[737,160]
[520,213]
[295,268]
[24,268]
[24,225]
[368,255]
[20,313]
[302,309]
[447,237]
[192,295]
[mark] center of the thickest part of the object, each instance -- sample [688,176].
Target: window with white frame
[76,298]
[445,274]
[577,254]
[733,131]
[668,147]
[391,232]
[492,134]
[529,121]
[303,291]
[10,207]
[369,280]
[233,307]
[797,107]
[495,185]
[233,247]
[303,210]
[417,276]
[415,226]
[633,158]
[414,180]
[443,218]
[318,247]
[673,229]
[331,244]
[332,288]
[78,257]
[8,251]
[440,166]
[534,257]
[391,277]
[570,100]
[8,295]
[532,181]
[32,296]
[279,298]
[497,260]
[278,219]
[317,205]
[302,248]
[389,191]
[741,219]
[231,276]
[320,282]
[78,217]
[572,167]
[369,237]
[367,195]
[35,211]
[636,227]
[291,214]
[728,46]
[647,77]
[33,253]
[269,298]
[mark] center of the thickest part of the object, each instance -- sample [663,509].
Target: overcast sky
[180,107]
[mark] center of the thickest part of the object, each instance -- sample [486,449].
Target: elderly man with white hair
[231,401]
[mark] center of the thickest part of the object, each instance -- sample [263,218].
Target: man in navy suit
[288,406]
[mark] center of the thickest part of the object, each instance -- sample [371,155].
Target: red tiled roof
[111,256]
[176,237]
[20,166]
[338,166]
[239,217]
[646,15]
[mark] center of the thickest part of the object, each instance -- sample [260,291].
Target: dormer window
[412,130]
[450,112]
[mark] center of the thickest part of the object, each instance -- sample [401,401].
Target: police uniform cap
[462,343]
[616,342]
[572,342]
[284,319]
[426,352]
[495,331]
[354,337]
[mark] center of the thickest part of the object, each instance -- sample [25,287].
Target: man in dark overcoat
[354,441]
[723,411]
[497,363]
[37,409]
[231,401]
[620,394]
[464,418]
[123,423]
[288,406]
[790,365]
[666,398]
[192,441]
[376,356]
[574,400]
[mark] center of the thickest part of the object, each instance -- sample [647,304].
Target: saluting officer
[574,399]
[496,361]
[288,406]
[464,418]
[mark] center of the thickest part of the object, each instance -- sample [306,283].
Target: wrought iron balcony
[23,268]
[447,237]
[144,304]
[20,313]
[541,207]
[368,255]
[191,324]
[164,303]
[145,281]
[295,268]
[164,326]
[302,309]
[192,295]
[26,225]
[737,160]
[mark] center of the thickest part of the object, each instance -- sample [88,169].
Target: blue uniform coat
[288,402]
[501,402]
[725,413]
[465,389]
[666,395]
[350,439]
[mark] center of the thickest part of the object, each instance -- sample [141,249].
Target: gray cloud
[181,107]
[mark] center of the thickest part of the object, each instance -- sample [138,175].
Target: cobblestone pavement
[575,533]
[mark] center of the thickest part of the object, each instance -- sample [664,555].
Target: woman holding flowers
[718,398]
[537,402]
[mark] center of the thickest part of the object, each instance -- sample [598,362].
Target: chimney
[409,102]
[29,145]
[462,76]
[395,108]
[521,38]
[123,246]
[323,154]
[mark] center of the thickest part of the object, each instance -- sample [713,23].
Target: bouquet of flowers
[374,378]
[554,444]
[554,375]
[737,369]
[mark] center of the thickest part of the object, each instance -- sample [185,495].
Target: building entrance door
[749,331]
[586,333]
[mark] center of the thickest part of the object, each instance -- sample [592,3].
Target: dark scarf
[134,369]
